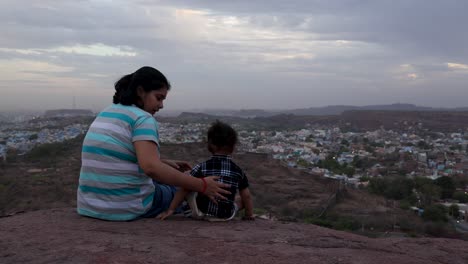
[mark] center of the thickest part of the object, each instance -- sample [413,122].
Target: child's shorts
[197,214]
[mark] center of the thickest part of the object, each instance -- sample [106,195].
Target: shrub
[437,229]
[405,204]
[435,213]
[454,211]
[319,222]
[462,197]
[346,223]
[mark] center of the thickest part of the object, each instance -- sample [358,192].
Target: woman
[122,176]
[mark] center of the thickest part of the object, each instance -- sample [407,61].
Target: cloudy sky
[262,54]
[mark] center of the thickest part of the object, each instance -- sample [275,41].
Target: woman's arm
[148,159]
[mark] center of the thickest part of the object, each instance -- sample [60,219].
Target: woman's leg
[163,195]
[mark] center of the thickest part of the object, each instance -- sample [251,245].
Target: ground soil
[61,236]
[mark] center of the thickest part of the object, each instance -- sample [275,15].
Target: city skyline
[235,55]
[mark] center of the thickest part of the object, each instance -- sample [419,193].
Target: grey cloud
[421,26]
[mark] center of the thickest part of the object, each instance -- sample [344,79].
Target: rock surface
[62,236]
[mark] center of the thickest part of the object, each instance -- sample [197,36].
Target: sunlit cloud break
[93,50]
[21,51]
[457,66]
[98,49]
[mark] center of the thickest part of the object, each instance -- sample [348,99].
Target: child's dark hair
[222,135]
[146,77]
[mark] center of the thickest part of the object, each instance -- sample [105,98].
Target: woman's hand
[215,189]
[165,214]
[179,165]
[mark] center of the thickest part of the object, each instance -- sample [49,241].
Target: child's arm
[178,198]
[246,200]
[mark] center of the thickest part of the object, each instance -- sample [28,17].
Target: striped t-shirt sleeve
[145,128]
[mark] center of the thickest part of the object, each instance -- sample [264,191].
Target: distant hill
[325,110]
[442,121]
[359,119]
[68,112]
[339,109]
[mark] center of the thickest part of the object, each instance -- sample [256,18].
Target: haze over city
[235,54]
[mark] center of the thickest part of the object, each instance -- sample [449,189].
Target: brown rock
[62,236]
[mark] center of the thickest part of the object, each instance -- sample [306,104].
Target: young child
[222,139]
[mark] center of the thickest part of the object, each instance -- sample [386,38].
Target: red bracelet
[204,185]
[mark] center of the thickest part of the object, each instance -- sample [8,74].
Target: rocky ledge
[62,236]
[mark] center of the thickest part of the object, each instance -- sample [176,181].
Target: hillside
[48,176]
[39,224]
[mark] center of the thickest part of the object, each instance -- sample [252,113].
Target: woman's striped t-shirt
[112,186]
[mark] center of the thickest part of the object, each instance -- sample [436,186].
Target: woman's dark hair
[222,135]
[146,77]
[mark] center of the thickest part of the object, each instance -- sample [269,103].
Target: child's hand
[165,214]
[248,218]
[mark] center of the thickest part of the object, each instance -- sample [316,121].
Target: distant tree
[455,147]
[33,137]
[423,145]
[391,158]
[343,149]
[377,145]
[303,163]
[378,185]
[330,163]
[435,213]
[316,151]
[11,155]
[399,188]
[369,149]
[461,197]
[460,180]
[344,142]
[412,199]
[405,204]
[349,171]
[446,185]
[364,178]
[362,163]
[429,192]
[454,211]
[419,182]
[407,156]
